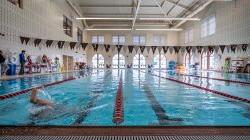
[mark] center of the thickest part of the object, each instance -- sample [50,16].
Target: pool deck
[5,77]
[124,131]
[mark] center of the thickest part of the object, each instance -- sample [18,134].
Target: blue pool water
[148,101]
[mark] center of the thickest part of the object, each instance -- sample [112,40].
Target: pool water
[148,100]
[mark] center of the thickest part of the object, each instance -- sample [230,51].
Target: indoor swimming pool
[125,98]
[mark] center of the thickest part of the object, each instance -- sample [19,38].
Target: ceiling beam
[77,12]
[162,11]
[178,4]
[116,6]
[173,7]
[194,13]
[137,10]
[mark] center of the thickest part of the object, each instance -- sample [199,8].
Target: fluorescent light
[103,18]
[103,29]
[159,29]
[194,19]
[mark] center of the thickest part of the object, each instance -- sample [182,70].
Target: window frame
[139,43]
[98,39]
[188,35]
[67,26]
[118,40]
[18,3]
[162,38]
[206,26]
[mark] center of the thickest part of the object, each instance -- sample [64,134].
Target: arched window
[160,62]
[118,61]
[139,61]
[204,60]
[98,61]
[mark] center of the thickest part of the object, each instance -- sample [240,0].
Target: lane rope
[218,79]
[207,89]
[14,94]
[118,115]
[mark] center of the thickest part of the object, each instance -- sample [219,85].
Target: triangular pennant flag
[60,44]
[244,47]
[24,39]
[222,48]
[193,49]
[171,49]
[95,47]
[136,49]
[153,49]
[49,43]
[107,47]
[125,49]
[72,45]
[199,49]
[165,49]
[211,49]
[188,49]
[119,47]
[176,49]
[233,48]
[159,49]
[37,42]
[216,48]
[183,49]
[142,48]
[148,49]
[130,49]
[84,45]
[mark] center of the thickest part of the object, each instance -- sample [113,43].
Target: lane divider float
[207,89]
[14,94]
[218,79]
[118,115]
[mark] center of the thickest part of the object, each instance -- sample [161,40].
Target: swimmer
[35,100]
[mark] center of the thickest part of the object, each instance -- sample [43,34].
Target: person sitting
[35,100]
[29,65]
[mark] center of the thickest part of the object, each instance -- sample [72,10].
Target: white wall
[171,39]
[38,18]
[232,27]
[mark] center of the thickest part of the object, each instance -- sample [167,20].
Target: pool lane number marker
[118,115]
[158,109]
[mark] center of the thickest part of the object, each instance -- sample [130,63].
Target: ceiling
[135,9]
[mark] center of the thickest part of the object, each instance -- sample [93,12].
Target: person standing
[22,62]
[2,63]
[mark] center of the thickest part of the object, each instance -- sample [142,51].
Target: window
[67,26]
[159,40]
[79,35]
[118,61]
[118,40]
[160,62]
[188,36]
[139,40]
[139,61]
[18,3]
[98,61]
[208,26]
[98,39]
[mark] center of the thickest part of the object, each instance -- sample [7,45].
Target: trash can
[12,69]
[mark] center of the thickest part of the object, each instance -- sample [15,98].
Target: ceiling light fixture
[157,29]
[166,19]
[103,18]
[112,29]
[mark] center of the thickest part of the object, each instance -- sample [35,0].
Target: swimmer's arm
[44,102]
